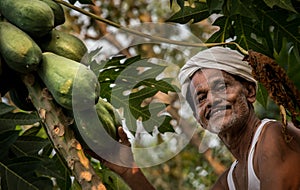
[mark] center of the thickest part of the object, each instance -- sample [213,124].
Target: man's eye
[220,87]
[201,98]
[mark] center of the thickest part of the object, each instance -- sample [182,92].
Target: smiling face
[221,101]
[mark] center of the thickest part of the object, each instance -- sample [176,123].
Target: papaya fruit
[32,16]
[59,15]
[96,128]
[63,44]
[18,49]
[109,117]
[70,82]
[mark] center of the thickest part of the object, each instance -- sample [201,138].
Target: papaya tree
[65,91]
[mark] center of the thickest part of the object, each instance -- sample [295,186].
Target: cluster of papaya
[31,43]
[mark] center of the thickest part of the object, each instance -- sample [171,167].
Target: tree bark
[62,137]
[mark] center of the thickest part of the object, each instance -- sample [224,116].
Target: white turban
[216,57]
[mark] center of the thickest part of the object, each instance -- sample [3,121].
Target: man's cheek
[201,119]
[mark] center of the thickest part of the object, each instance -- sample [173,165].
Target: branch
[61,136]
[155,38]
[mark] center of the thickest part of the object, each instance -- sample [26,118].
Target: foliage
[268,27]
[27,160]
[117,76]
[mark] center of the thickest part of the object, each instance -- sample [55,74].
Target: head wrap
[217,57]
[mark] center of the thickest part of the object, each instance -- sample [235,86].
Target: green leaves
[263,26]
[286,4]
[26,156]
[187,13]
[128,84]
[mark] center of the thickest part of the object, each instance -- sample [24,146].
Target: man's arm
[277,164]
[133,176]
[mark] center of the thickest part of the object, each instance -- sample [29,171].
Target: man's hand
[126,157]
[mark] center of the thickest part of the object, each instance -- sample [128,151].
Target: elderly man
[221,91]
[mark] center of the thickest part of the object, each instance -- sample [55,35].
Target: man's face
[220,100]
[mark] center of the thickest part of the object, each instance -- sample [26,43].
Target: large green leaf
[10,120]
[241,7]
[54,168]
[28,145]
[127,83]
[285,4]
[187,13]
[4,108]
[215,6]
[19,173]
[7,138]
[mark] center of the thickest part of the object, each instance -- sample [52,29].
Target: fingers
[123,137]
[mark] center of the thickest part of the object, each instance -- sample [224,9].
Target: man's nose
[213,98]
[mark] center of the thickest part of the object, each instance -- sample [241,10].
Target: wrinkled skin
[223,105]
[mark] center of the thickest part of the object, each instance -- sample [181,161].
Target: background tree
[270,28]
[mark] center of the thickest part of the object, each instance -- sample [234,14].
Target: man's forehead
[211,75]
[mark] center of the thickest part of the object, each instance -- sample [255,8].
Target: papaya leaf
[283,24]
[28,145]
[243,8]
[214,6]
[12,119]
[111,180]
[4,108]
[286,4]
[7,138]
[32,131]
[225,32]
[180,3]
[261,34]
[187,13]
[166,127]
[19,173]
[54,168]
[128,83]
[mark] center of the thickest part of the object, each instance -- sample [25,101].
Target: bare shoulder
[274,141]
[221,183]
[277,162]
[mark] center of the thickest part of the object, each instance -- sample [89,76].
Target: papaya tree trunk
[62,137]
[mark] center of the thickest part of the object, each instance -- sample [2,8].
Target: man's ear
[251,92]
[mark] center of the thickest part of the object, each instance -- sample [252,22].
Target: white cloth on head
[216,57]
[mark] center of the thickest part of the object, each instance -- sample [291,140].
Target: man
[221,91]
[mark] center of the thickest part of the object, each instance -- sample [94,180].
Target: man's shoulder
[274,140]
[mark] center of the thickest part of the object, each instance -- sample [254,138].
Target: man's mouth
[215,111]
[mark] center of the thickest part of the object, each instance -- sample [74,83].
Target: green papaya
[59,15]
[32,16]
[70,83]
[96,128]
[63,44]
[18,50]
[109,117]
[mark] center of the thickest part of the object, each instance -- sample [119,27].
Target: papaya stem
[61,135]
[155,38]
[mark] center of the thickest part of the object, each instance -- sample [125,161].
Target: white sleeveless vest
[253,181]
